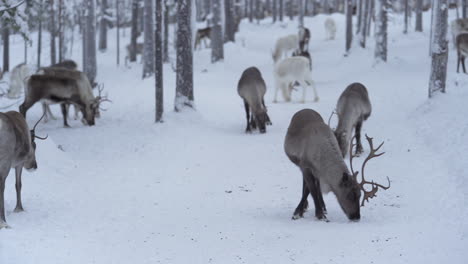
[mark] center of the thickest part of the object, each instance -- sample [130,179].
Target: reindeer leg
[19,204]
[247,113]
[24,107]
[319,190]
[303,204]
[49,112]
[314,190]
[3,174]
[359,149]
[268,121]
[458,61]
[463,63]
[311,83]
[64,114]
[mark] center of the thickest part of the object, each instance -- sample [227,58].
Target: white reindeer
[291,70]
[330,28]
[284,45]
[18,79]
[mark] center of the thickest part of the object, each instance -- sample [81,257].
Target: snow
[197,189]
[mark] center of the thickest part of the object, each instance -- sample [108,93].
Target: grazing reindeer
[304,38]
[462,50]
[284,45]
[252,88]
[311,145]
[17,150]
[128,48]
[291,70]
[353,108]
[18,78]
[330,28]
[458,26]
[63,86]
[202,34]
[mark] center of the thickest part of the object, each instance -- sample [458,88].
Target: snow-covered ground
[197,189]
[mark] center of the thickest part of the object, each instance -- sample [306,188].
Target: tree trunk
[439,49]
[158,73]
[301,13]
[229,29]
[251,10]
[184,79]
[117,13]
[381,30]
[166,32]
[103,27]
[53,49]
[349,24]
[364,23]
[217,52]
[419,26]
[406,16]
[281,10]
[275,10]
[90,66]
[6,48]
[148,51]
[359,16]
[39,35]
[61,33]
[134,31]
[464,7]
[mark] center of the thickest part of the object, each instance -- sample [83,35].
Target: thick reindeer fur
[311,145]
[291,70]
[18,79]
[458,26]
[462,50]
[353,108]
[17,150]
[252,89]
[284,45]
[330,28]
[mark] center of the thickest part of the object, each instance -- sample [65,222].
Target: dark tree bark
[166,32]
[184,79]
[61,29]
[148,52]
[6,48]
[419,26]
[217,51]
[381,30]
[103,26]
[275,10]
[464,7]
[134,31]
[349,24]
[438,77]
[251,10]
[364,26]
[229,26]
[301,13]
[52,30]
[406,16]
[39,35]
[90,65]
[281,10]
[158,73]
[359,16]
[117,14]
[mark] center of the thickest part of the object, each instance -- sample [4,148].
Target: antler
[351,156]
[331,115]
[33,131]
[375,186]
[101,98]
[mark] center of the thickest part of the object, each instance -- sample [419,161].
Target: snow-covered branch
[9,7]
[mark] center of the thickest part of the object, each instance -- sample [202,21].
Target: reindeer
[128,48]
[17,150]
[462,50]
[304,38]
[458,26]
[311,145]
[63,86]
[304,54]
[290,70]
[18,78]
[202,34]
[252,88]
[353,108]
[330,28]
[284,45]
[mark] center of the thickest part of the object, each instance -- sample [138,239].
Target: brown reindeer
[202,34]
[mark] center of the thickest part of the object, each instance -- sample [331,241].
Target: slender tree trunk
[381,30]
[158,73]
[359,16]
[90,65]
[419,26]
[349,24]
[103,27]
[6,48]
[407,10]
[53,49]
[229,30]
[39,35]
[117,11]
[438,77]
[275,10]
[464,7]
[166,32]
[217,51]
[251,10]
[184,78]
[281,10]
[301,13]
[61,31]
[148,58]
[364,23]
[134,31]
[290,10]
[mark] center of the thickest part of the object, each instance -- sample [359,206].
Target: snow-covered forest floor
[197,189]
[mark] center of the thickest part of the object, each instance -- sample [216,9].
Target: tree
[148,48]
[301,13]
[281,10]
[89,54]
[103,26]
[117,14]
[349,24]
[229,26]
[217,51]
[53,49]
[166,32]
[406,16]
[464,7]
[39,34]
[61,29]
[184,77]
[6,47]
[381,30]
[439,50]
[134,31]
[251,10]
[275,10]
[364,24]
[419,26]
[158,73]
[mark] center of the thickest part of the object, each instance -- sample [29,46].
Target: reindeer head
[348,196]
[31,163]
[93,110]
[261,118]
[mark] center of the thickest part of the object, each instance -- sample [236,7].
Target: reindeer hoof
[297,216]
[3,225]
[18,209]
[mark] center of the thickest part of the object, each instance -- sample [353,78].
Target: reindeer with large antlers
[17,150]
[312,146]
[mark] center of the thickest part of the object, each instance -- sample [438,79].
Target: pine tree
[217,51]
[381,30]
[103,26]
[439,50]
[134,30]
[148,48]
[89,56]
[349,24]
[52,31]
[184,78]
[158,73]
[229,32]
[419,26]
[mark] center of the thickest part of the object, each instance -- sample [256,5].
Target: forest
[233,131]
